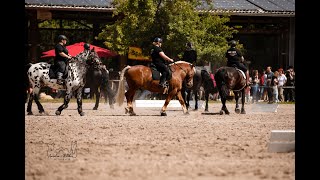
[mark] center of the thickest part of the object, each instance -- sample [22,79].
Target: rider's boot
[59,78]
[162,81]
[247,78]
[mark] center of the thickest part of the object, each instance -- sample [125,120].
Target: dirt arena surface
[107,144]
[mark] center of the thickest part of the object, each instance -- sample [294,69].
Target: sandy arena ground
[107,144]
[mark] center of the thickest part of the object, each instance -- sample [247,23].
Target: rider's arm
[165,57]
[241,59]
[62,54]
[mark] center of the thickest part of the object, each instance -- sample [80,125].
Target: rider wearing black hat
[62,56]
[235,58]
[86,46]
[158,59]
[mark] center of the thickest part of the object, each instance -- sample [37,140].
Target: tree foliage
[176,22]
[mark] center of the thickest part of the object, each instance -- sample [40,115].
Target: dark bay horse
[38,75]
[200,79]
[140,76]
[231,78]
[97,79]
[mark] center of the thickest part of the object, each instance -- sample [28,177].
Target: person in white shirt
[282,79]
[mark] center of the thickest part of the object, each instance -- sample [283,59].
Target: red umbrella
[77,48]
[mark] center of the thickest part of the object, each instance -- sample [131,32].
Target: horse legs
[35,96]
[207,100]
[97,93]
[224,107]
[79,101]
[169,97]
[181,101]
[195,92]
[129,96]
[242,101]
[66,100]
[236,96]
[109,92]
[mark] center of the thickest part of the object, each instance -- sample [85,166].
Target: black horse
[201,78]
[231,78]
[97,79]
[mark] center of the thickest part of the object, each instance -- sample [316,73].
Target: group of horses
[184,78]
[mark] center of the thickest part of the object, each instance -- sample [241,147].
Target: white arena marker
[282,141]
[156,103]
[282,135]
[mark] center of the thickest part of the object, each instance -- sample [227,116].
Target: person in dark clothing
[235,58]
[62,56]
[190,54]
[158,59]
[86,46]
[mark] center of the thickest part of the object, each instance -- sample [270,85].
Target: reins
[180,67]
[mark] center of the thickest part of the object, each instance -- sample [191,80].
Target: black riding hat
[157,39]
[233,43]
[189,44]
[62,37]
[86,46]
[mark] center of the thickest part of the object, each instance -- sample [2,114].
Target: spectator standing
[255,86]
[290,92]
[269,74]
[274,84]
[282,79]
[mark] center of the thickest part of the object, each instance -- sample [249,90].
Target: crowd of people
[272,86]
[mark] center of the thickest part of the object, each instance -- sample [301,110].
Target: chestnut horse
[140,76]
[231,78]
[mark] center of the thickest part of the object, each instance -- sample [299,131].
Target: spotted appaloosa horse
[231,78]
[38,75]
[140,76]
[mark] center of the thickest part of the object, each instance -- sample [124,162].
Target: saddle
[156,74]
[53,72]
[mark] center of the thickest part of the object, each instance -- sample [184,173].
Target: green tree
[176,22]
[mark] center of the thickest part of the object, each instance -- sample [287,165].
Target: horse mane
[179,62]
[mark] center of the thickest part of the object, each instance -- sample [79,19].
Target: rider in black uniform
[190,54]
[61,57]
[235,58]
[158,59]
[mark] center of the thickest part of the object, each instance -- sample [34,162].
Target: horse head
[190,71]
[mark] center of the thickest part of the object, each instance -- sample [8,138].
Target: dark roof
[232,7]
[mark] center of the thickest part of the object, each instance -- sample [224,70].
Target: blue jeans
[255,94]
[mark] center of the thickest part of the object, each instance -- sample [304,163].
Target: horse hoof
[82,114]
[58,112]
[95,108]
[133,114]
[163,114]
[221,112]
[206,110]
[243,112]
[237,111]
[126,110]
[29,113]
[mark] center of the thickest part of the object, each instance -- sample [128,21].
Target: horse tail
[121,88]
[221,83]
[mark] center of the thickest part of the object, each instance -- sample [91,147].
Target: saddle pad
[155,74]
[244,76]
